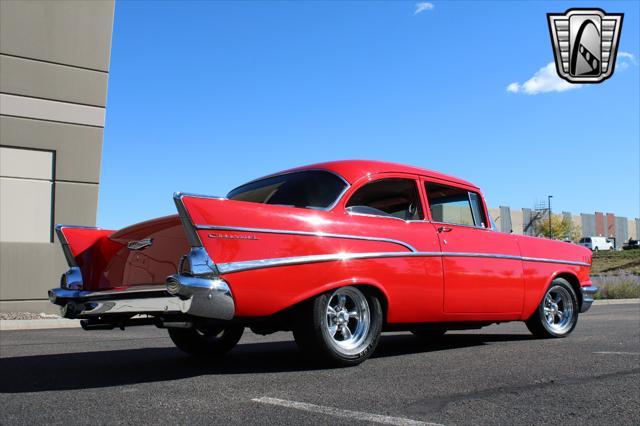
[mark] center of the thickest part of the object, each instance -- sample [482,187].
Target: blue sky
[204,96]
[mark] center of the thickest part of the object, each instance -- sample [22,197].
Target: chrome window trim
[375,215]
[328,208]
[231,267]
[464,226]
[389,217]
[456,186]
[480,209]
[306,233]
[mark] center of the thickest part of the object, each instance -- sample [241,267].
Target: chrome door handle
[444,229]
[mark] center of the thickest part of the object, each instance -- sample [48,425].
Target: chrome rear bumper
[201,297]
[587,297]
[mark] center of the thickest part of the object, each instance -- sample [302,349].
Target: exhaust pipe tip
[70,310]
[173,285]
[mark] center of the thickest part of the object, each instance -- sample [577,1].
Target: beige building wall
[633,230]
[516,221]
[54,64]
[494,213]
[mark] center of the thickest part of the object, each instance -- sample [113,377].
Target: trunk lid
[139,255]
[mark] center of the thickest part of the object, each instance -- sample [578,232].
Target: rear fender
[354,281]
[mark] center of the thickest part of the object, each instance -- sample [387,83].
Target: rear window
[312,189]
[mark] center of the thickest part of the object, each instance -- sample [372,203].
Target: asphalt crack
[430,406]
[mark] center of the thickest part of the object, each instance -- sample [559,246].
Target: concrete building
[54,63]
[620,229]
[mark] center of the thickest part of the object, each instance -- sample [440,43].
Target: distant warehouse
[523,221]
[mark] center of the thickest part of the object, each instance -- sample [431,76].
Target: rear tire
[211,341]
[341,327]
[557,314]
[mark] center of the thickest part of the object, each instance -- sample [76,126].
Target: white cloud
[422,6]
[625,60]
[546,79]
[543,81]
[513,88]
[626,55]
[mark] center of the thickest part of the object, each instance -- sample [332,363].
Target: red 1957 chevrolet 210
[335,252]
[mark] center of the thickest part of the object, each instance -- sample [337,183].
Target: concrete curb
[38,324]
[616,301]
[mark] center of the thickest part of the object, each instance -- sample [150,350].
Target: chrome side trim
[305,233]
[545,260]
[481,255]
[231,267]
[227,268]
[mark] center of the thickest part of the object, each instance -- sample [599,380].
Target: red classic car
[335,252]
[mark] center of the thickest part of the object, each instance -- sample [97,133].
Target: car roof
[353,170]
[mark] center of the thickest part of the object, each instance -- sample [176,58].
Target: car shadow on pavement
[97,369]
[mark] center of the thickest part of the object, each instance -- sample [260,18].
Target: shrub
[617,286]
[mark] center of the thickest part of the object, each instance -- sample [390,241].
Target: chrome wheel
[558,310]
[347,320]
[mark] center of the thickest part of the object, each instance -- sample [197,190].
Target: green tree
[561,228]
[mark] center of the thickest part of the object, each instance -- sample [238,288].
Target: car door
[390,205]
[482,267]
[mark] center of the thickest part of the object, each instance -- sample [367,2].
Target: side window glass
[393,197]
[449,204]
[477,210]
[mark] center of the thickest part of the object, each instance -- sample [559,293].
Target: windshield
[312,189]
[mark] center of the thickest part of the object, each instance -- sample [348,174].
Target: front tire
[557,314]
[210,341]
[341,327]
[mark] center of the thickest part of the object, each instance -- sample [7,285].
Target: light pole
[549,197]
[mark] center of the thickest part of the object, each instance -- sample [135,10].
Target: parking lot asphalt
[497,375]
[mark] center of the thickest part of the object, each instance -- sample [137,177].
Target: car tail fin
[76,239]
[197,262]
